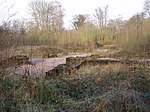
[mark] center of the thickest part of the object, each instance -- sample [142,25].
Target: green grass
[101,89]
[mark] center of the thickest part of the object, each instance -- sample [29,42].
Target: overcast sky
[125,8]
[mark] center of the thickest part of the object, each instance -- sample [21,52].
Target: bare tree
[101,16]
[79,21]
[105,15]
[5,9]
[116,23]
[115,26]
[147,7]
[47,15]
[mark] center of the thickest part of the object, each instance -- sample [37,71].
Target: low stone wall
[75,63]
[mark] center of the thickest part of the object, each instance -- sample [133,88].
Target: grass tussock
[137,45]
[137,40]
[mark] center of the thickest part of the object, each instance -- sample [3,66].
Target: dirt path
[40,65]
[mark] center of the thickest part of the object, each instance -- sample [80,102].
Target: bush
[120,101]
[46,93]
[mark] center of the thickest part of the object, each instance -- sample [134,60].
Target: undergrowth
[101,89]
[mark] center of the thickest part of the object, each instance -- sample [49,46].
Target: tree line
[46,26]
